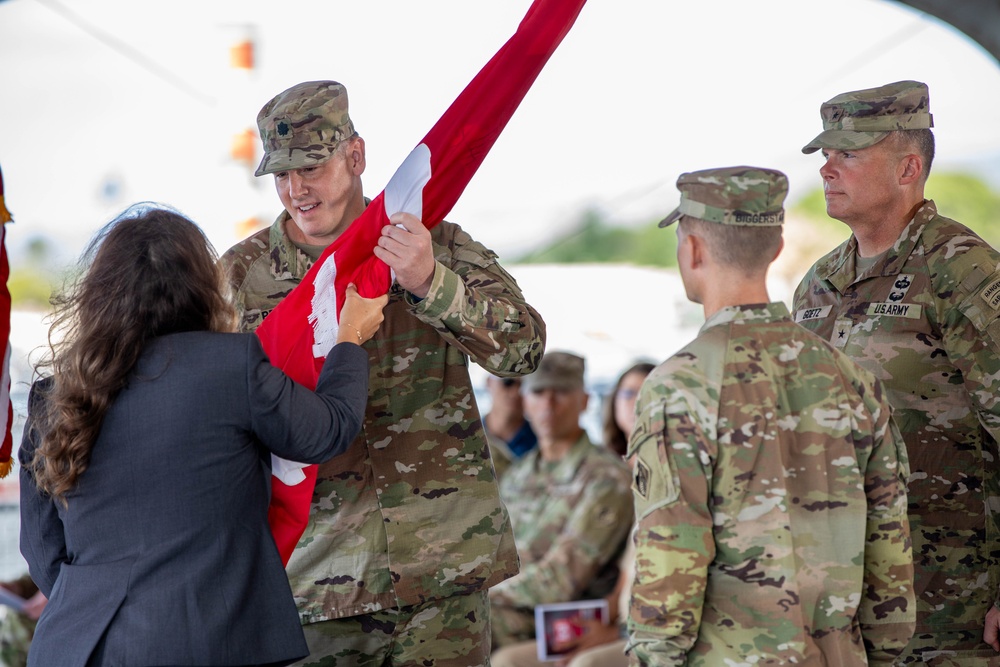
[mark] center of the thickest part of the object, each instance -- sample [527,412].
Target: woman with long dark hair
[618,414]
[145,460]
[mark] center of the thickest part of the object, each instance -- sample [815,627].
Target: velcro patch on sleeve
[654,481]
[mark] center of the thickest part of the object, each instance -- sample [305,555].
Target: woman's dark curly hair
[149,272]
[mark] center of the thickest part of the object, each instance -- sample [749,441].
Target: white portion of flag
[405,190]
[289,472]
[404,193]
[323,317]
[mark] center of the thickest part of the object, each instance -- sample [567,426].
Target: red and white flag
[427,184]
[6,410]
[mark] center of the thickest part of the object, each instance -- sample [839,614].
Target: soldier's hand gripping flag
[298,332]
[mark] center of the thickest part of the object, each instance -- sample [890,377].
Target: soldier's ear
[781,246]
[911,168]
[685,250]
[697,250]
[356,156]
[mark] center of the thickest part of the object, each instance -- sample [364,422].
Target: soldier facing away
[769,479]
[913,297]
[406,529]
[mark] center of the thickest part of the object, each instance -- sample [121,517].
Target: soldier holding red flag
[404,533]
[406,530]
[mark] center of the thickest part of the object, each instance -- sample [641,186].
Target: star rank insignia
[841,332]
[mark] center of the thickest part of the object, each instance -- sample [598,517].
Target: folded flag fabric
[299,331]
[6,409]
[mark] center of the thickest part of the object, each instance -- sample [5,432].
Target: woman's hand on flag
[360,318]
[405,245]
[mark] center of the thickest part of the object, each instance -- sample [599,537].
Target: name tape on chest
[908,310]
[812,313]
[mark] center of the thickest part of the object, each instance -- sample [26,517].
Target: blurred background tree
[32,275]
[809,232]
[594,240]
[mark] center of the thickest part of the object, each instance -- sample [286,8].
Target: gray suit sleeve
[43,543]
[301,425]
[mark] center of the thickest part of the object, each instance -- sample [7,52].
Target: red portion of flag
[6,409]
[288,512]
[458,143]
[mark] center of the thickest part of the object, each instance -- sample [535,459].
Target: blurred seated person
[619,407]
[508,432]
[18,627]
[569,502]
[601,644]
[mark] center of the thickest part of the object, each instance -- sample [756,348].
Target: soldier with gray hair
[914,297]
[406,529]
[768,477]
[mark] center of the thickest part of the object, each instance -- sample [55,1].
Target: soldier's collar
[288,261]
[566,468]
[841,269]
[753,312]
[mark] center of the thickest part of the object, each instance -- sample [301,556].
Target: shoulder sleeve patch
[981,303]
[654,480]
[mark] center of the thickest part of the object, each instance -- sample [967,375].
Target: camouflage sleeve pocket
[654,480]
[982,305]
[474,253]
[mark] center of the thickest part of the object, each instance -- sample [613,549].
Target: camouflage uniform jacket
[770,495]
[411,512]
[503,451]
[925,319]
[499,451]
[571,518]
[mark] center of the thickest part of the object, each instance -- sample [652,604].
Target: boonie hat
[556,370]
[744,196]
[863,118]
[303,126]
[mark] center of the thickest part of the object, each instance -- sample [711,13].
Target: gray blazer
[163,555]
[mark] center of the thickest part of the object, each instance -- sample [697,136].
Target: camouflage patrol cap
[863,118]
[303,126]
[556,370]
[744,196]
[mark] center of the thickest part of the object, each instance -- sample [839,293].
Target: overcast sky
[106,102]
